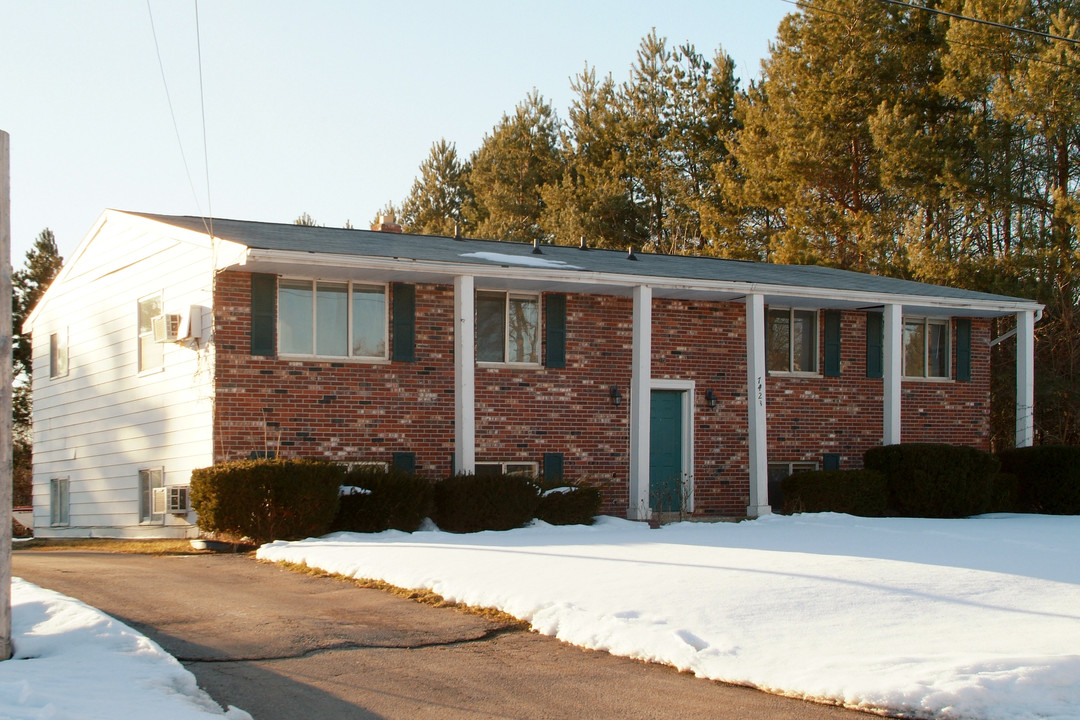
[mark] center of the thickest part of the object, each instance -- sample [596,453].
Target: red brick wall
[366,411]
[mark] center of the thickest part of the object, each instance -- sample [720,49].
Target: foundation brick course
[363,411]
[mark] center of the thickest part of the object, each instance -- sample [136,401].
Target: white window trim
[60,516]
[926,322]
[507,294]
[153,520]
[367,359]
[533,465]
[61,336]
[791,310]
[791,465]
[160,294]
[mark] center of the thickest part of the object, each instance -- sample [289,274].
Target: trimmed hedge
[1048,477]
[274,499]
[471,503]
[855,492]
[931,480]
[395,500]
[569,505]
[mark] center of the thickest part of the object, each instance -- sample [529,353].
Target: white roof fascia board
[868,299]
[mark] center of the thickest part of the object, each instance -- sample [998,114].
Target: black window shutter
[832,343]
[404,322]
[263,314]
[555,331]
[405,461]
[875,345]
[830,461]
[553,467]
[963,349]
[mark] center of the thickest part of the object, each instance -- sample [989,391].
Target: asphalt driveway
[280,644]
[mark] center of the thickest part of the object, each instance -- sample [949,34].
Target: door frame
[687,387]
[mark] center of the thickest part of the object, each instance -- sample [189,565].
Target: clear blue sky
[324,106]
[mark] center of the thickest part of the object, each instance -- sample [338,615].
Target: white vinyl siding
[107,420]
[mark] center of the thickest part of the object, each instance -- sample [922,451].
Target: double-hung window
[151,353]
[148,480]
[332,319]
[58,354]
[791,340]
[59,501]
[507,328]
[926,348]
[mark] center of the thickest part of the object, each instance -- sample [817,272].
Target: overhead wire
[176,127]
[980,21]
[202,108]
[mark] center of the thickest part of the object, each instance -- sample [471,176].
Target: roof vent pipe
[457,231]
[536,247]
[630,255]
[583,246]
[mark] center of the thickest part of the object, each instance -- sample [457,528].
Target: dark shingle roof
[437,249]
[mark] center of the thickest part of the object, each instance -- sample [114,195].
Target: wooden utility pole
[6,488]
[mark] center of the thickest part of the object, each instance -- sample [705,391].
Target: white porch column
[464,375]
[892,367]
[755,407]
[640,404]
[1025,379]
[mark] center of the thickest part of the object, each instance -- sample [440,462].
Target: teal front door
[666,451]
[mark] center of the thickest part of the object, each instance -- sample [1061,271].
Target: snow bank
[72,661]
[951,618]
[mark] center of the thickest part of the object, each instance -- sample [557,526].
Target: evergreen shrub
[267,499]
[933,480]
[569,505]
[1005,493]
[1049,477]
[395,500]
[855,492]
[471,503]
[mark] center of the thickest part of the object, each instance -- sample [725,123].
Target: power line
[980,21]
[172,112]
[202,107]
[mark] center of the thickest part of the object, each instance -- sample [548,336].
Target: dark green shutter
[832,343]
[963,349]
[553,467]
[263,313]
[404,322]
[405,461]
[830,461]
[555,331]
[875,340]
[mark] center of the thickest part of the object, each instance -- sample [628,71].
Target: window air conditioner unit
[172,499]
[178,499]
[166,328]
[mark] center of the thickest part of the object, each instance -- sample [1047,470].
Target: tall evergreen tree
[510,170]
[439,195]
[40,268]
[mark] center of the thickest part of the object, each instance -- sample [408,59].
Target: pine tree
[439,195]
[42,264]
[510,170]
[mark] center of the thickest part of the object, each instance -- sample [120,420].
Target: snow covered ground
[72,661]
[975,618]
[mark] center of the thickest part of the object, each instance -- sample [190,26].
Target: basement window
[525,469]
